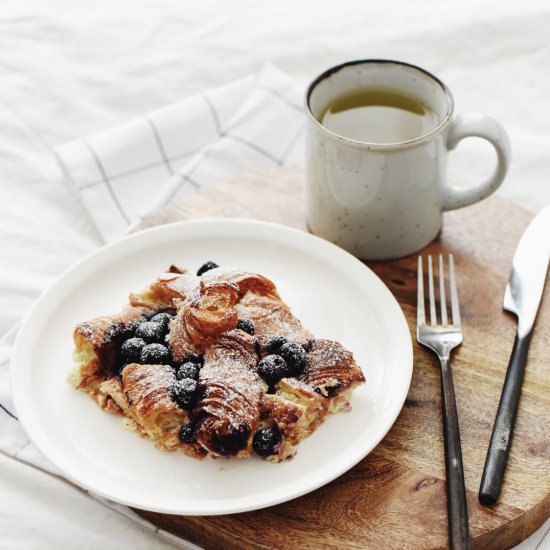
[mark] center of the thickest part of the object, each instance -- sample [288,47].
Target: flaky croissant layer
[213,398]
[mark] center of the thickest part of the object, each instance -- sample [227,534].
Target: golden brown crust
[103,330]
[211,311]
[330,368]
[111,396]
[228,396]
[177,284]
[168,287]
[149,403]
[271,317]
[245,281]
[171,442]
[315,406]
[205,315]
[296,410]
[97,344]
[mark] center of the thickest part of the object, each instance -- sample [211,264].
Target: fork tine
[442,298]
[454,294]
[420,315]
[433,318]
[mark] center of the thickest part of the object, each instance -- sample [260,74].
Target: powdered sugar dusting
[271,317]
[330,365]
[140,381]
[229,390]
[230,368]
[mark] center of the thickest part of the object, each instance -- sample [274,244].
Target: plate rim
[226,508]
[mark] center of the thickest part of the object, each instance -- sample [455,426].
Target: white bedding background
[70,68]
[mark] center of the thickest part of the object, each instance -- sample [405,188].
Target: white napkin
[124,172]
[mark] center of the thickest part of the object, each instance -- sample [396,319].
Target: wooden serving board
[395,498]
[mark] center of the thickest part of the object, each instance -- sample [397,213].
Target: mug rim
[373,145]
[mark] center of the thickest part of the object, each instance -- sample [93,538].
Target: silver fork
[442,338]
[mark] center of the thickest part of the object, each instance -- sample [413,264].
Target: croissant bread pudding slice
[213,364]
[229,395]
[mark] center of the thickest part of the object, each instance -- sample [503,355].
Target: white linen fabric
[70,70]
[125,172]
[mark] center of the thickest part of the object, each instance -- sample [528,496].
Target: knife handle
[501,438]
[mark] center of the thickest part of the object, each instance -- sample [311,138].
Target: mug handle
[483,126]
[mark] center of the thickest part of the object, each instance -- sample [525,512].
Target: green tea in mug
[375,115]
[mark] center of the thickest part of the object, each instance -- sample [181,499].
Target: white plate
[333,294]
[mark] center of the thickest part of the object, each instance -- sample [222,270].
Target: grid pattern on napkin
[123,173]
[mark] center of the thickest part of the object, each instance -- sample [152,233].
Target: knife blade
[522,297]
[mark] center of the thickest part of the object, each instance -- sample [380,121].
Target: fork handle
[501,437]
[459,536]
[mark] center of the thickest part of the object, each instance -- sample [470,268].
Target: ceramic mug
[385,200]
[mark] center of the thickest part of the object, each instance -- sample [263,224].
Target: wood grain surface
[395,498]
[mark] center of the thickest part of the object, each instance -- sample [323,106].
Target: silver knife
[521,297]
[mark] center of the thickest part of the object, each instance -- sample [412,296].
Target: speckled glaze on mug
[385,200]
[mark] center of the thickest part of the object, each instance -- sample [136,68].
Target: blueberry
[309,345]
[206,267]
[135,324]
[230,443]
[187,434]
[150,332]
[266,441]
[163,319]
[197,359]
[272,368]
[130,350]
[155,354]
[274,345]
[116,331]
[188,370]
[246,325]
[183,392]
[295,356]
